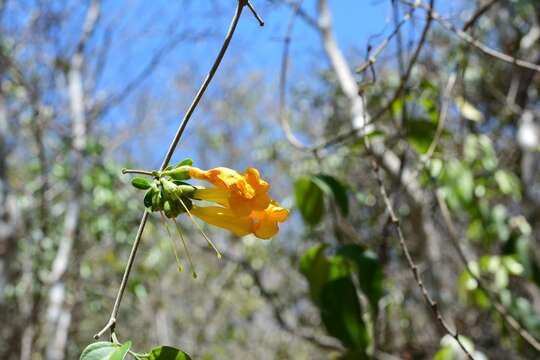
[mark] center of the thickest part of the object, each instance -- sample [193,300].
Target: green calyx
[167,192]
[178,173]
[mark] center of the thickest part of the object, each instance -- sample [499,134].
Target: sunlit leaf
[121,352]
[468,111]
[508,183]
[101,350]
[309,199]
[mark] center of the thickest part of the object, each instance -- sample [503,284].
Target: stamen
[212,245]
[171,240]
[192,266]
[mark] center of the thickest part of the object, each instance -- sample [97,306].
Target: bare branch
[410,262]
[478,14]
[372,59]
[341,67]
[283,115]
[472,41]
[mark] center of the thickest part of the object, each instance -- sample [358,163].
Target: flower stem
[136,171]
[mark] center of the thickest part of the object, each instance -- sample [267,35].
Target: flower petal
[224,218]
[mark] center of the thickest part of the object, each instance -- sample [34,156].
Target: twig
[373,58]
[283,116]
[303,14]
[252,9]
[412,265]
[497,305]
[403,81]
[442,119]
[137,171]
[234,22]
[472,41]
[477,14]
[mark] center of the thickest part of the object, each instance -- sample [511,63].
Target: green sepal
[157,201]
[178,173]
[148,197]
[185,162]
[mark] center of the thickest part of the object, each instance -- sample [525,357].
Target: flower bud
[178,173]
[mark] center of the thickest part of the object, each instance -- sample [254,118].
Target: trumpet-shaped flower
[241,193]
[262,223]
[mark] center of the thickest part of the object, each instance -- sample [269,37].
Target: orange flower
[265,223]
[262,223]
[241,193]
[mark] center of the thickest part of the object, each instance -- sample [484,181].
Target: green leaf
[369,272]
[141,183]
[508,183]
[444,353]
[341,313]
[315,268]
[318,269]
[335,189]
[121,352]
[468,110]
[333,291]
[167,353]
[460,180]
[309,199]
[420,134]
[101,350]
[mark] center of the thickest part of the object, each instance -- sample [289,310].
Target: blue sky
[143,27]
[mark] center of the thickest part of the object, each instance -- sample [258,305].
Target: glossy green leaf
[369,272]
[141,183]
[309,199]
[335,189]
[341,313]
[167,353]
[121,352]
[101,350]
[333,291]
